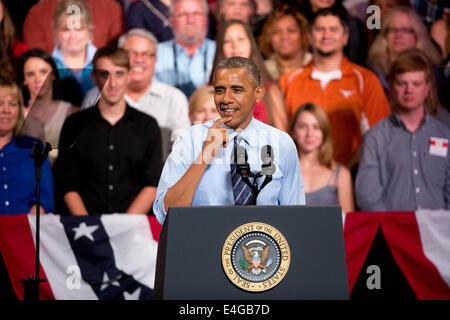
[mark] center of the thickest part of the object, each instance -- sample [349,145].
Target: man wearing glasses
[186,61]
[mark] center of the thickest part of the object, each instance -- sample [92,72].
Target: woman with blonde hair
[325,182]
[235,38]
[74,51]
[284,41]
[17,167]
[402,29]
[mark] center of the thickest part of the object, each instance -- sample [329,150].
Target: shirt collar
[128,115]
[396,120]
[90,52]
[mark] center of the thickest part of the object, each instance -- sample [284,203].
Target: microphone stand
[31,284]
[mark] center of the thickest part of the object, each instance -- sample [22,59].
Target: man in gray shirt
[405,164]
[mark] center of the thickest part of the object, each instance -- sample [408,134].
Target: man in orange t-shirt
[351,95]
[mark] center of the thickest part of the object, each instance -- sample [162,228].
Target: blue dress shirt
[17,180]
[214,188]
[175,67]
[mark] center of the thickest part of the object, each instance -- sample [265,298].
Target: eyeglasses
[407,31]
[184,15]
[146,55]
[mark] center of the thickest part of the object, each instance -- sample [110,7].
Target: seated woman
[17,172]
[325,182]
[45,113]
[236,39]
[402,29]
[284,41]
[74,51]
[202,107]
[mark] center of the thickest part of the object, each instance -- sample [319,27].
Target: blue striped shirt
[215,187]
[399,171]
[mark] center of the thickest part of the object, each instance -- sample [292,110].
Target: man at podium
[235,159]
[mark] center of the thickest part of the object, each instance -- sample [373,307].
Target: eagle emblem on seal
[255,253]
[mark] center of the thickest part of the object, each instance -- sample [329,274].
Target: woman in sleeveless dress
[325,182]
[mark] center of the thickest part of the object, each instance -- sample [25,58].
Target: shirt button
[416,172]
[5,186]
[1,154]
[417,190]
[110,167]
[3,169]
[111,147]
[7,203]
[110,187]
[414,154]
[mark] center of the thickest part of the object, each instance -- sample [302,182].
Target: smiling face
[286,37]
[9,111]
[409,90]
[35,72]
[72,40]
[142,54]
[235,95]
[328,35]
[236,42]
[307,132]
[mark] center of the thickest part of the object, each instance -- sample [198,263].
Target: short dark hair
[339,13]
[240,63]
[117,55]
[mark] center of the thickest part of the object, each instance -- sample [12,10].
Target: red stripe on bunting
[360,229]
[16,237]
[402,235]
[155,227]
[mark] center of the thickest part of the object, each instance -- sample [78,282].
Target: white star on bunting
[85,230]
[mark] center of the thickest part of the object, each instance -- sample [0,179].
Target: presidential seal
[255,257]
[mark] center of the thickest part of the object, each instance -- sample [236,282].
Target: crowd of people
[112,85]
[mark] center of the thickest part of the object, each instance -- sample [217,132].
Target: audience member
[202,107]
[356,47]
[110,154]
[186,61]
[165,103]
[107,17]
[12,47]
[405,164]
[384,6]
[402,29]
[17,177]
[242,10]
[284,41]
[351,95]
[326,182]
[440,33]
[236,39]
[45,112]
[74,50]
[431,10]
[153,15]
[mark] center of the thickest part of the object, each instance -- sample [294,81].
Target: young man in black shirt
[109,155]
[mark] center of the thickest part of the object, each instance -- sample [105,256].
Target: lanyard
[178,82]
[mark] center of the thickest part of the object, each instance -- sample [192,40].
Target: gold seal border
[241,231]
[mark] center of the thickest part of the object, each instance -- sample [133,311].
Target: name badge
[438,146]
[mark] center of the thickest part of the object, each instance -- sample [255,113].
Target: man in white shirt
[167,104]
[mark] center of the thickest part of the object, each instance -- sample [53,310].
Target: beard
[325,54]
[186,35]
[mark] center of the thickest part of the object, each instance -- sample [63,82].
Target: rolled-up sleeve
[175,167]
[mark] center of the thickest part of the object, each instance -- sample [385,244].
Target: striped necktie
[242,192]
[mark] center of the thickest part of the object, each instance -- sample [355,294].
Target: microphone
[267,155]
